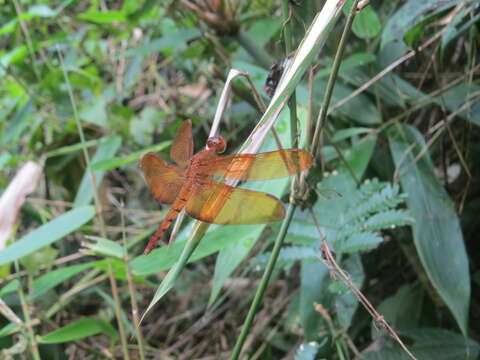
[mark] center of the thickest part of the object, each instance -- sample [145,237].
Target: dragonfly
[191,185]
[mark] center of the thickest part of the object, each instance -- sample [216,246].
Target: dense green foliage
[88,87]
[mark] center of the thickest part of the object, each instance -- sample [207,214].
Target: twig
[385,71]
[338,273]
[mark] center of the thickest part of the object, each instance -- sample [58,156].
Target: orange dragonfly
[192,188]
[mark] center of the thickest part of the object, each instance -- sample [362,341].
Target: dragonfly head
[217,143]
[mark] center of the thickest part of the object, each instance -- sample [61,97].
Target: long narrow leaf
[436,231]
[47,233]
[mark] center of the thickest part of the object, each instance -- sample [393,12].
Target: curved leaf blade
[437,234]
[47,233]
[77,330]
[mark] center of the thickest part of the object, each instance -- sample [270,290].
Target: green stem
[132,291]
[98,207]
[342,157]
[260,55]
[263,283]
[333,77]
[292,102]
[31,50]
[116,298]
[27,320]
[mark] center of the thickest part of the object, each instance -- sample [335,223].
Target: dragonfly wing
[268,165]
[182,146]
[218,203]
[164,180]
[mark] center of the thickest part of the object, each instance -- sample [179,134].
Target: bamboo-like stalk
[275,252]
[292,102]
[332,78]
[263,283]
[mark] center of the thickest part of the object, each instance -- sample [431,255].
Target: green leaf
[5,157]
[142,126]
[47,233]
[461,22]
[231,256]
[359,156]
[359,241]
[116,162]
[350,132]
[9,26]
[264,29]
[181,37]
[18,124]
[351,62]
[104,247]
[15,56]
[8,329]
[41,258]
[366,24]
[169,280]
[457,96]
[346,302]
[165,257]
[359,109]
[105,150]
[405,301]
[76,147]
[307,351]
[42,11]
[313,289]
[94,111]
[10,287]
[442,344]
[437,233]
[388,219]
[77,330]
[439,344]
[411,13]
[53,278]
[103,17]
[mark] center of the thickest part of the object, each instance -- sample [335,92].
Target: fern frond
[387,219]
[371,202]
[359,241]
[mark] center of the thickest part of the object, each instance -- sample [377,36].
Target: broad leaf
[436,231]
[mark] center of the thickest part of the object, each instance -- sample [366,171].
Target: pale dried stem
[337,273]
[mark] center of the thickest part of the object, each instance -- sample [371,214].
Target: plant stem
[131,290]
[116,298]
[28,320]
[332,78]
[31,50]
[98,207]
[263,283]
[292,102]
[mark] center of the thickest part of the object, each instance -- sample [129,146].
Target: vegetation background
[88,87]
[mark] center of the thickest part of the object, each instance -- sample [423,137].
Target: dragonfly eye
[217,143]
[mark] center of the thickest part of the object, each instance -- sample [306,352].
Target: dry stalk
[337,273]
